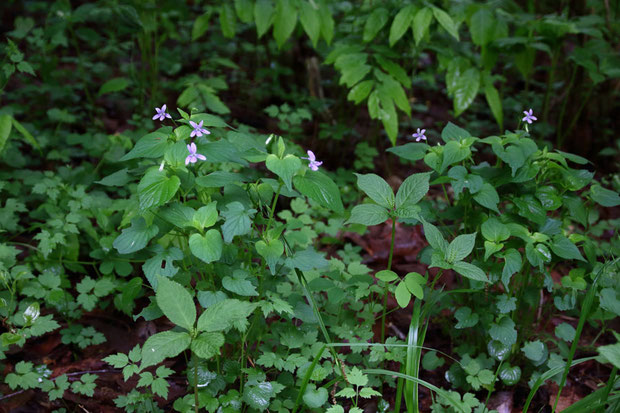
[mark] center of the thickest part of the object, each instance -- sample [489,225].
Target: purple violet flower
[193,156]
[161,113]
[529,116]
[314,164]
[419,135]
[198,129]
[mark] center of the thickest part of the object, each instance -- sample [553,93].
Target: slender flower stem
[385,293]
[273,208]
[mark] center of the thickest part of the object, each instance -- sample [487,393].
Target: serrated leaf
[161,346]
[320,188]
[152,145]
[564,248]
[285,168]
[402,21]
[465,90]
[225,314]
[460,247]
[487,197]
[465,318]
[412,189]
[176,303]
[136,237]
[446,22]
[434,237]
[504,331]
[374,23]
[368,214]
[421,23]
[207,345]
[377,189]
[470,271]
[156,188]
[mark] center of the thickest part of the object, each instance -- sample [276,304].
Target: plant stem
[273,208]
[385,292]
[195,385]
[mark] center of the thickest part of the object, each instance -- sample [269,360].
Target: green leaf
[161,346]
[430,361]
[401,23]
[360,91]
[263,16]
[310,21]
[421,23]
[315,398]
[412,189]
[5,130]
[482,27]
[414,282]
[498,350]
[206,216]
[611,353]
[504,331]
[491,248]
[156,188]
[465,318]
[487,197]
[285,168]
[470,271]
[327,24]
[271,252]
[494,230]
[402,294]
[377,189]
[604,197]
[386,275]
[320,188]
[510,375]
[368,214]
[495,103]
[219,179]
[117,361]
[446,22]
[506,304]
[153,145]
[460,247]
[136,237]
[26,135]
[411,151]
[451,132]
[238,284]
[375,22]
[566,332]
[284,21]
[225,314]
[454,152]
[434,237]
[564,248]
[238,220]
[228,20]
[466,89]
[114,85]
[258,395]
[118,178]
[207,345]
[536,351]
[208,247]
[176,303]
[201,24]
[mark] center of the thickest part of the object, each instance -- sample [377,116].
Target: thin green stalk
[273,208]
[494,379]
[195,385]
[385,292]
[399,391]
[304,383]
[412,367]
[608,387]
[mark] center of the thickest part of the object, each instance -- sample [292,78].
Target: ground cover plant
[296,205]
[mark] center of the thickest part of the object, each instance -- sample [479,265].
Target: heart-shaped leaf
[315,398]
[285,168]
[270,252]
[207,247]
[510,375]
[156,188]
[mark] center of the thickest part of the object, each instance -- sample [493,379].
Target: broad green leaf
[482,27]
[504,331]
[368,214]
[389,119]
[498,350]
[208,247]
[327,24]
[225,314]
[536,351]
[26,135]
[454,152]
[311,21]
[412,189]
[402,294]
[178,214]
[491,248]
[411,151]
[320,188]
[421,23]
[460,247]
[374,23]
[401,23]
[434,237]
[285,168]
[239,284]
[161,346]
[315,398]
[228,20]
[604,197]
[377,189]
[118,178]
[135,237]
[176,303]
[5,130]
[510,375]
[386,275]
[430,361]
[152,145]
[238,220]
[360,91]
[487,197]
[566,332]
[414,282]
[549,197]
[207,345]
[494,230]
[465,90]
[495,103]
[470,271]
[263,16]
[206,216]
[465,318]
[611,353]
[114,85]
[284,21]
[564,248]
[156,188]
[258,395]
[201,24]
[245,10]
[451,132]
[219,179]
[271,252]
[446,22]
[162,264]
